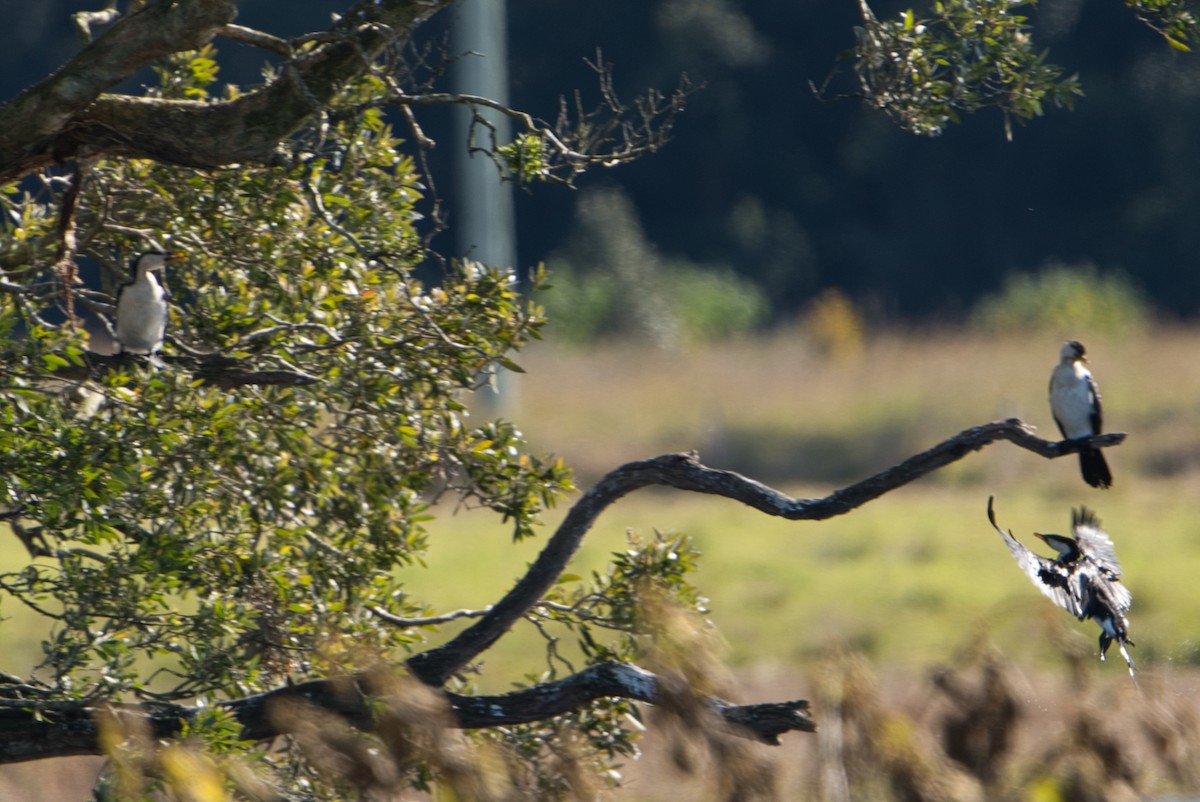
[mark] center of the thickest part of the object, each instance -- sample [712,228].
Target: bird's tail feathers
[1095,468]
[1128,660]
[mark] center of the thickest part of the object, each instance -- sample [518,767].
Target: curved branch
[31,124]
[33,729]
[66,116]
[685,472]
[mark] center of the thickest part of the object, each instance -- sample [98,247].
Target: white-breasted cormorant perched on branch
[1075,404]
[142,307]
[1084,579]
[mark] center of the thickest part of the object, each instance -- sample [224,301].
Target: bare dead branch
[33,728]
[685,472]
[606,136]
[524,118]
[249,36]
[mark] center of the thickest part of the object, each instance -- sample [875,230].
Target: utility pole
[482,206]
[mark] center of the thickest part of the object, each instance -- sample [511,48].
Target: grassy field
[908,580]
[908,576]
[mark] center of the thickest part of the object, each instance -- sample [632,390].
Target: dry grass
[908,578]
[775,403]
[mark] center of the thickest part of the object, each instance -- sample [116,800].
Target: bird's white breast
[141,316]
[1072,401]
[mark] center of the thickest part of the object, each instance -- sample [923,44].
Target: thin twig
[427,621]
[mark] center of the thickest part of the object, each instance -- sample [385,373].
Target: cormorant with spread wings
[1084,579]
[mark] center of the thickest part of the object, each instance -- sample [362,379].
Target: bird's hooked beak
[170,257]
[1063,546]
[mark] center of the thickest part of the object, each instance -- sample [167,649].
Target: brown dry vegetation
[777,404]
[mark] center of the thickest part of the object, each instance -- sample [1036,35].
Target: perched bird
[1075,404]
[142,306]
[1084,578]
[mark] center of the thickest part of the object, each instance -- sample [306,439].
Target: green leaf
[1176,43]
[508,364]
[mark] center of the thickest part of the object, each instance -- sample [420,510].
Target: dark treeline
[797,194]
[801,195]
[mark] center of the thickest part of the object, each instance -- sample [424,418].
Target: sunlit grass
[907,391]
[907,577]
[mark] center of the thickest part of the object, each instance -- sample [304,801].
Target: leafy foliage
[925,73]
[1177,20]
[189,541]
[1064,297]
[610,280]
[195,541]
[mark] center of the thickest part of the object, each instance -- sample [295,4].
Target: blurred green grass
[907,578]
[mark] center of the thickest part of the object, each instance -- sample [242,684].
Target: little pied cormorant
[142,307]
[1084,579]
[1075,404]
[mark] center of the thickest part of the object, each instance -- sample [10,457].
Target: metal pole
[484,219]
[482,206]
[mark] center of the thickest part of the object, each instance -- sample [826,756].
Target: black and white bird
[1084,578]
[1075,404]
[142,307]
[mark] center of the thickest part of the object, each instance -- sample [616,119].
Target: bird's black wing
[1100,593]
[124,285]
[1062,429]
[1094,398]
[1052,579]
